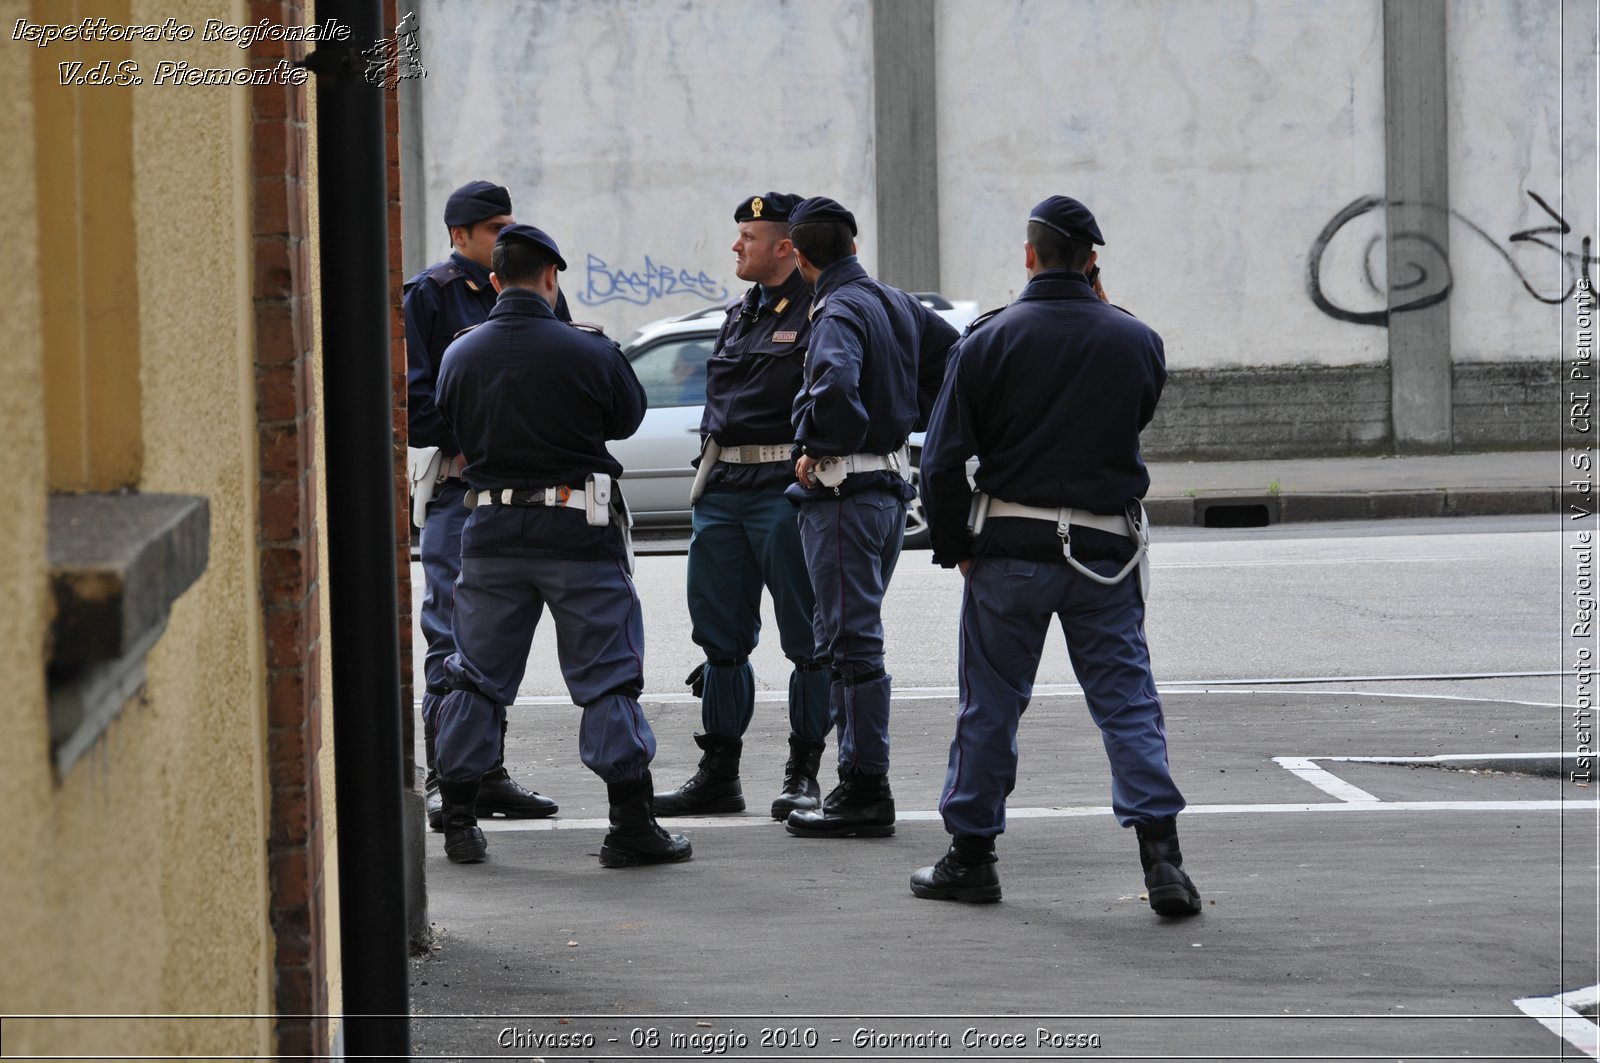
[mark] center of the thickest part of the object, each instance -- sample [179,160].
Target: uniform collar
[792,289]
[521,301]
[839,274]
[1058,284]
[475,273]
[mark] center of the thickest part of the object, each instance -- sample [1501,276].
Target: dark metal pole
[356,413]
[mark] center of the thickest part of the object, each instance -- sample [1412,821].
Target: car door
[657,475]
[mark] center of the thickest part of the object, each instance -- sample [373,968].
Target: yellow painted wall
[138,883]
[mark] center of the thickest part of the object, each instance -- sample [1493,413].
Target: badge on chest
[785,337]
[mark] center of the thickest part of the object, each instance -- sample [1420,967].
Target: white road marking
[1191,686]
[761,819]
[1324,780]
[1557,1015]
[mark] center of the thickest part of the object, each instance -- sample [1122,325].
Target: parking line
[1557,1015]
[1324,780]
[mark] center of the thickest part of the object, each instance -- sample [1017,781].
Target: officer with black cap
[440,302]
[1050,393]
[744,528]
[533,400]
[874,367]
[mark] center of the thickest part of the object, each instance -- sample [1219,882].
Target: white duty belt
[1133,523]
[831,472]
[595,499]
[756,454]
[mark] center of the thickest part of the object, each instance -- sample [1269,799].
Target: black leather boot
[501,795]
[1170,890]
[800,790]
[714,788]
[860,806]
[463,840]
[433,803]
[965,873]
[636,838]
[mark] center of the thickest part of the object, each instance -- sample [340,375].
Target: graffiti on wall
[605,283]
[1424,278]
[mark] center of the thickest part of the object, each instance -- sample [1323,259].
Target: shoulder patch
[981,318]
[443,273]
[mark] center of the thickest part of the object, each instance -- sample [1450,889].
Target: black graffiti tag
[1425,268]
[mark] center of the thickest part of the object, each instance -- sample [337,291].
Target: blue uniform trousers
[441,564]
[599,641]
[851,545]
[742,540]
[1004,619]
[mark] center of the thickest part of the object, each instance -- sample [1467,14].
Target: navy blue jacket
[752,378]
[876,362]
[1051,394]
[440,302]
[533,400]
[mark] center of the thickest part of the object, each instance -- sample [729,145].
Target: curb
[1226,509]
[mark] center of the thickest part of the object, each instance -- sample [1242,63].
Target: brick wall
[286,434]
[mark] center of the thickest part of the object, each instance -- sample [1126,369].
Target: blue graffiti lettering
[603,284]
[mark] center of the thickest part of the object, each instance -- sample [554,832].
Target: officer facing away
[1050,393]
[876,360]
[745,533]
[440,302]
[533,401]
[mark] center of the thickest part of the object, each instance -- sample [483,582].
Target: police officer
[1050,393]
[873,370]
[533,400]
[744,528]
[440,302]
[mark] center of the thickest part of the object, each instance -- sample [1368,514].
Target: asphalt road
[1381,907]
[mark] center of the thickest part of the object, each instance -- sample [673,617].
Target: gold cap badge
[755,207]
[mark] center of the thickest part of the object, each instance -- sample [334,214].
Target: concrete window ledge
[117,563]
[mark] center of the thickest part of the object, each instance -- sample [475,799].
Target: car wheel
[917,537]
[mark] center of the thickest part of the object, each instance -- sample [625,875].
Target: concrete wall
[137,883]
[630,130]
[1234,151]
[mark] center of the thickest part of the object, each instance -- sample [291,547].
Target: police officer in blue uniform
[533,400]
[745,533]
[1050,393]
[440,302]
[874,367]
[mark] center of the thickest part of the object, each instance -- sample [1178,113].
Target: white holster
[708,460]
[422,465]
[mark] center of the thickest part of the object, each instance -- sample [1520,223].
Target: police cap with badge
[774,206]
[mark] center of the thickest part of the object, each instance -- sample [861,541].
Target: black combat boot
[714,787]
[965,873]
[463,840]
[501,795]
[860,806]
[1169,888]
[800,790]
[432,802]
[636,838]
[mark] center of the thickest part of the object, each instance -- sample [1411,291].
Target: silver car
[669,357]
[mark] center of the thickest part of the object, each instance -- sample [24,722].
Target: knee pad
[808,666]
[463,683]
[438,690]
[726,662]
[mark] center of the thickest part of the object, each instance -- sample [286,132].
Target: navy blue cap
[538,237]
[1069,218]
[475,201]
[774,206]
[821,208]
